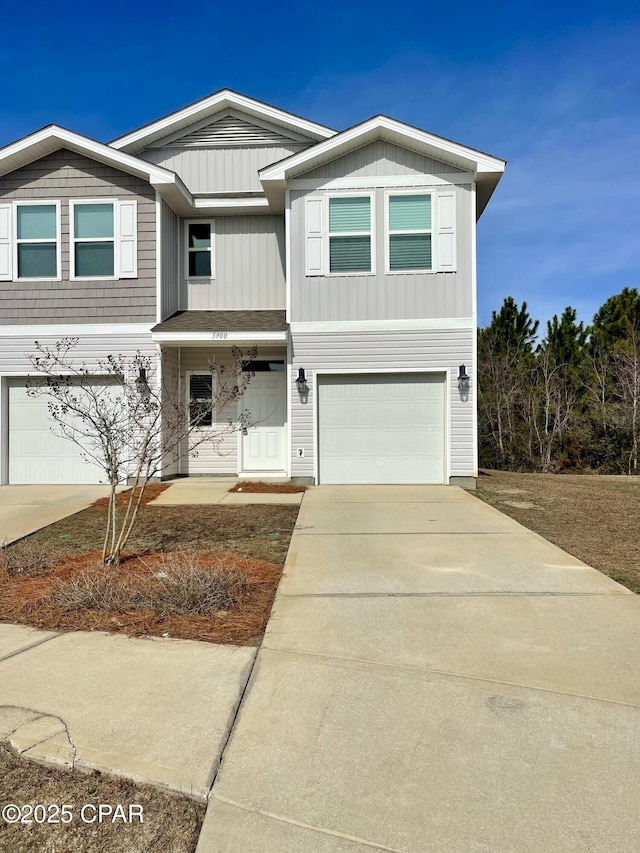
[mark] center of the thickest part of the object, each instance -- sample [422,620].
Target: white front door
[265,404]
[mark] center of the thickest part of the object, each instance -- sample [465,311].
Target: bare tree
[625,360]
[129,421]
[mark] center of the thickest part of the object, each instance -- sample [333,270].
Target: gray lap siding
[429,350]
[66,175]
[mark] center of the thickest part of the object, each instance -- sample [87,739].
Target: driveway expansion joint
[483,594]
[298,823]
[28,648]
[426,671]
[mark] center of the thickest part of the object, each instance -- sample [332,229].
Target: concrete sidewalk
[435,678]
[155,711]
[25,509]
[215,490]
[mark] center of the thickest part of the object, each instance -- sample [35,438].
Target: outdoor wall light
[302,386]
[142,386]
[463,383]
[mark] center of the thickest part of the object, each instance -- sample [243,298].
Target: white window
[420,231]
[410,247]
[340,236]
[36,250]
[199,242]
[103,239]
[350,238]
[93,238]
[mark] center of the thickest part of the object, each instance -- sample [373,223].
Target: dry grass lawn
[170,823]
[593,517]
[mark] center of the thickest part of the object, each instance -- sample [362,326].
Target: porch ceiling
[221,327]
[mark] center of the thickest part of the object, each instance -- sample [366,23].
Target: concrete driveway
[434,677]
[25,509]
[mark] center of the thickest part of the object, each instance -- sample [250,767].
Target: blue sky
[554,88]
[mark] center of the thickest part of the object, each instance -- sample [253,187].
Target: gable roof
[52,138]
[486,169]
[199,111]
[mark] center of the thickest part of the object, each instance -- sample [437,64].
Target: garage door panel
[385,428]
[36,453]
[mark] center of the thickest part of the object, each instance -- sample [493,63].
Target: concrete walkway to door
[435,678]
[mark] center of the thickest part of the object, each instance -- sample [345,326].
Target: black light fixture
[302,386]
[463,382]
[142,386]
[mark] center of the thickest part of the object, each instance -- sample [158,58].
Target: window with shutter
[93,239]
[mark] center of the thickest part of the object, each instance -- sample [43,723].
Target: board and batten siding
[382,296]
[66,175]
[377,159]
[220,170]
[249,261]
[427,350]
[171,270]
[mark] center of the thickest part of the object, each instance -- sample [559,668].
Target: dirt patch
[593,517]
[170,823]
[268,488]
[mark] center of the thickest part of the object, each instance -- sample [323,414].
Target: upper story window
[101,243]
[199,240]
[37,243]
[93,239]
[419,232]
[410,247]
[350,234]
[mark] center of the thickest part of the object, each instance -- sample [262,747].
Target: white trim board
[345,326]
[186,338]
[381,181]
[66,330]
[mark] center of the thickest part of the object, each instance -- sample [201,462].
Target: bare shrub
[183,586]
[26,557]
[178,584]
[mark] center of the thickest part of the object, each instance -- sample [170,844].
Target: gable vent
[230,131]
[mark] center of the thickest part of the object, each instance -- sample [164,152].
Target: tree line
[568,403]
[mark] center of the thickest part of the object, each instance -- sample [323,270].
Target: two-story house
[348,258]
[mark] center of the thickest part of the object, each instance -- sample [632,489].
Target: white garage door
[36,454]
[381,428]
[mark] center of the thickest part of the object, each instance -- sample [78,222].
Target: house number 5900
[220,335]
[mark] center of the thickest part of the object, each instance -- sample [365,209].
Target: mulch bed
[268,488]
[151,492]
[31,600]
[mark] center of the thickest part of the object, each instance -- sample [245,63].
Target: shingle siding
[66,175]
